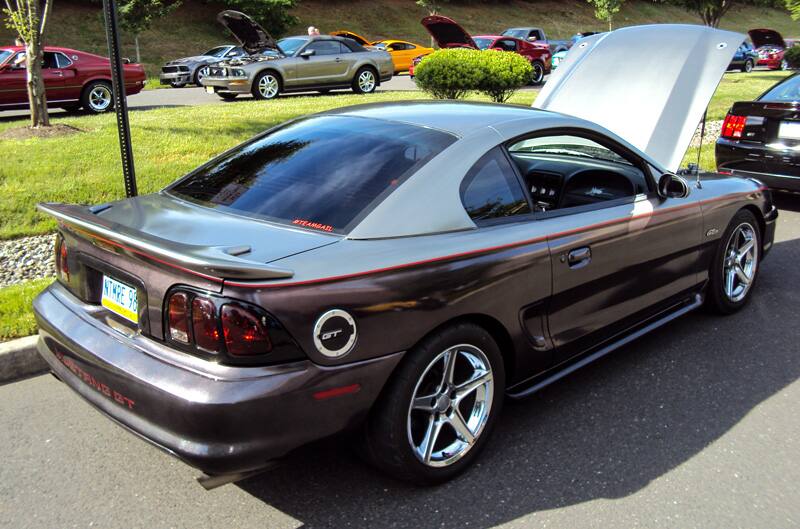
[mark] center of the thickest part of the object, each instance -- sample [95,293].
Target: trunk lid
[247,31]
[447,33]
[769,122]
[766,37]
[664,77]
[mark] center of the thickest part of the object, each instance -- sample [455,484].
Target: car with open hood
[400,269]
[449,34]
[180,72]
[73,79]
[761,138]
[401,51]
[293,64]
[770,47]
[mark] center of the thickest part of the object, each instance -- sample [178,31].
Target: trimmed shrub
[792,56]
[453,73]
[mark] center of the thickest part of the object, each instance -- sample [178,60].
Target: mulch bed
[24,133]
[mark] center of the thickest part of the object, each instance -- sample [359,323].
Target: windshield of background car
[5,54]
[788,90]
[216,52]
[483,43]
[291,44]
[516,33]
[569,146]
[322,173]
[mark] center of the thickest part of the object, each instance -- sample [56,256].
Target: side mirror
[531,39]
[672,186]
[306,54]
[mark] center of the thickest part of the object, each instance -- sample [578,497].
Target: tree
[606,9]
[710,11]
[136,16]
[273,15]
[794,8]
[28,18]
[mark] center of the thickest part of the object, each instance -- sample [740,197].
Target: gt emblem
[712,232]
[335,333]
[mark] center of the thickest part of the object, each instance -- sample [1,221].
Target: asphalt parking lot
[695,425]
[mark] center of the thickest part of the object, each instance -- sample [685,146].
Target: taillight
[205,324]
[245,331]
[62,263]
[178,317]
[733,126]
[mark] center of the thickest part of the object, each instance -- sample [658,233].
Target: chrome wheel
[200,75]
[268,86]
[450,405]
[740,263]
[537,74]
[100,98]
[366,81]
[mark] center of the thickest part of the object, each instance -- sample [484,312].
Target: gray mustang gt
[294,64]
[180,72]
[398,270]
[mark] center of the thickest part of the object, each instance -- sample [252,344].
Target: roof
[457,117]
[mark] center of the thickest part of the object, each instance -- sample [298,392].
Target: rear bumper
[219,419]
[775,168]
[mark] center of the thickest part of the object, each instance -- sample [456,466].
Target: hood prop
[700,148]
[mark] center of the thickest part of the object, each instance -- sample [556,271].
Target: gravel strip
[26,258]
[713,128]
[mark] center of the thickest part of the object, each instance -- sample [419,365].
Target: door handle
[338,59]
[58,74]
[579,257]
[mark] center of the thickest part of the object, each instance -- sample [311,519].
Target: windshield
[5,54]
[290,45]
[483,43]
[568,145]
[788,90]
[516,33]
[219,51]
[321,173]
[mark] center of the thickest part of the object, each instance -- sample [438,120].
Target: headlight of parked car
[238,72]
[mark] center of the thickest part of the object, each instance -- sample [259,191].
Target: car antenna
[700,149]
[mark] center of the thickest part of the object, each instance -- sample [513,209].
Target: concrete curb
[19,359]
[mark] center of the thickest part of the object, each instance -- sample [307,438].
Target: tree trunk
[609,22]
[37,98]
[136,43]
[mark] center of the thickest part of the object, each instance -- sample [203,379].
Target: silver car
[180,72]
[293,64]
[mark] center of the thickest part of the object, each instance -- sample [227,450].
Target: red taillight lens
[733,126]
[204,324]
[62,264]
[179,317]
[245,331]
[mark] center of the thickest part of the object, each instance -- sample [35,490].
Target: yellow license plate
[120,299]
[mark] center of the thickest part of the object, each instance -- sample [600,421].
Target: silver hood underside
[648,84]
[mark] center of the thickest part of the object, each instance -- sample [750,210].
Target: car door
[322,62]
[53,77]
[619,253]
[12,81]
[70,85]
[404,54]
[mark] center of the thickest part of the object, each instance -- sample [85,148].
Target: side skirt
[532,385]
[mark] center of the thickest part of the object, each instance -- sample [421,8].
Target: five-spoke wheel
[735,267]
[365,81]
[97,97]
[266,85]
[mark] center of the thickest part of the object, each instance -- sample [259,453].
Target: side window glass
[491,189]
[325,47]
[62,61]
[49,60]
[343,48]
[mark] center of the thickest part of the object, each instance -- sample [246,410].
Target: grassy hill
[192,28]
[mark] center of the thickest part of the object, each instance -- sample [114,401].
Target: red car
[770,47]
[448,34]
[72,79]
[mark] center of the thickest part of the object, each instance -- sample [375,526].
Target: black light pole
[120,100]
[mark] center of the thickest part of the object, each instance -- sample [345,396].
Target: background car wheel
[748,66]
[266,85]
[735,266]
[177,85]
[227,97]
[365,81]
[199,74]
[97,97]
[537,74]
[438,411]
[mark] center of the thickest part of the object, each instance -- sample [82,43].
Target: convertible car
[399,269]
[402,52]
[180,72]
[293,64]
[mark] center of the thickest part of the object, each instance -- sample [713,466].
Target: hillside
[193,28]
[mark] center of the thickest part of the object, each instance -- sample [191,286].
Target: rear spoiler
[211,262]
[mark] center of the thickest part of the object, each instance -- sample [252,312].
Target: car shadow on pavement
[787,201]
[606,431]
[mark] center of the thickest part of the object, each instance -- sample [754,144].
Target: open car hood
[766,37]
[662,81]
[350,35]
[447,33]
[250,35]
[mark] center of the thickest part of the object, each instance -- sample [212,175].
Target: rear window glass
[320,173]
[788,90]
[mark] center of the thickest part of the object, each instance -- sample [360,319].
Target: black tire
[747,67]
[387,437]
[97,97]
[361,83]
[227,97]
[177,85]
[537,74]
[719,298]
[198,77]
[262,92]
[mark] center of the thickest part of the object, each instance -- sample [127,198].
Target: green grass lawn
[16,314]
